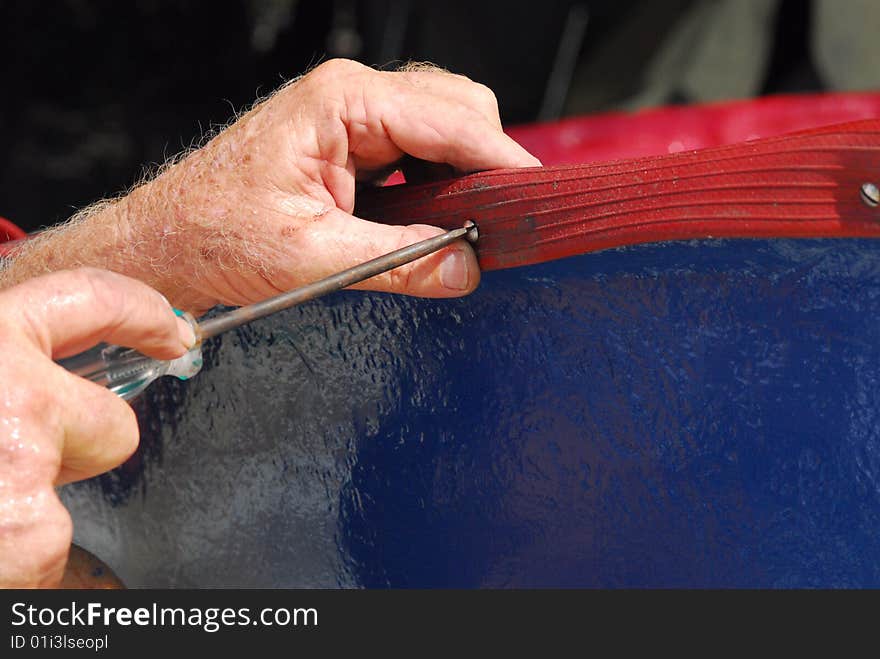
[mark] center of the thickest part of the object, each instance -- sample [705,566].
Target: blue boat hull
[701,414]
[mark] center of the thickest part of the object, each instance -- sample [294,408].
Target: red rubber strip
[801,185]
[9,234]
[671,129]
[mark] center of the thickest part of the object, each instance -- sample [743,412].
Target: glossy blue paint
[696,414]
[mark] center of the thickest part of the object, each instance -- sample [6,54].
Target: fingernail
[454,271]
[185,331]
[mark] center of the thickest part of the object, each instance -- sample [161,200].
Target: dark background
[96,92]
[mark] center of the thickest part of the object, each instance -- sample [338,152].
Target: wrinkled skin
[55,427]
[266,205]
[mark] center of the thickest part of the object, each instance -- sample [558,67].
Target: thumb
[343,241]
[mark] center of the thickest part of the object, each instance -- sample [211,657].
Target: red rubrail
[801,185]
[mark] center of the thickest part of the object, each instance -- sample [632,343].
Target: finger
[429,117]
[69,311]
[344,241]
[442,130]
[36,536]
[452,85]
[100,428]
[77,428]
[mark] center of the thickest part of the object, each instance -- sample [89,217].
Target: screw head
[473,233]
[870,194]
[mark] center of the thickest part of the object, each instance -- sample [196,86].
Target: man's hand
[54,426]
[267,205]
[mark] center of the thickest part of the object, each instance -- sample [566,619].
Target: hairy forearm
[165,232]
[99,236]
[96,236]
[267,204]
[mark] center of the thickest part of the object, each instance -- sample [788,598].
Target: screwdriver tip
[473,233]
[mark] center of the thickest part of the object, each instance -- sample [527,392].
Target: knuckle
[334,69]
[486,92]
[332,79]
[41,529]
[34,400]
[31,435]
[90,280]
[28,395]
[89,273]
[50,556]
[486,96]
[105,295]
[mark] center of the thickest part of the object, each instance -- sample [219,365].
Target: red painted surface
[617,135]
[803,185]
[9,231]
[807,193]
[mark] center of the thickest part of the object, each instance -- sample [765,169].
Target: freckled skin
[266,205]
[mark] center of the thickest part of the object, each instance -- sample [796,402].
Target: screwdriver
[127,372]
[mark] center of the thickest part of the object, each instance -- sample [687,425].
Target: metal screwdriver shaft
[127,372]
[237,317]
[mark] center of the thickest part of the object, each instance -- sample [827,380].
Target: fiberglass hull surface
[699,414]
[693,414]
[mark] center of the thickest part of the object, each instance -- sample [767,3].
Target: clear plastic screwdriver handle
[127,372]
